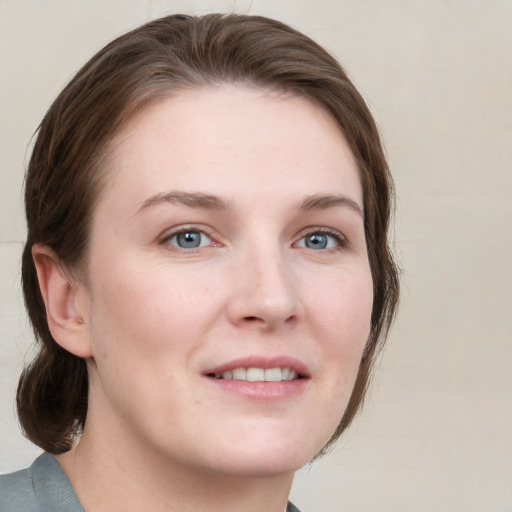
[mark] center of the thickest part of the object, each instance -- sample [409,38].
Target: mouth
[261,379]
[260,369]
[255,374]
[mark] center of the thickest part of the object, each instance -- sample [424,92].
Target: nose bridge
[265,290]
[271,274]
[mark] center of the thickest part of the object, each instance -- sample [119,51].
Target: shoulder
[17,491]
[41,487]
[291,507]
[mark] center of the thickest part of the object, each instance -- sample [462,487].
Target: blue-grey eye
[319,241]
[316,241]
[190,239]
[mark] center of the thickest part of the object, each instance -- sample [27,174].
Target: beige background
[436,431]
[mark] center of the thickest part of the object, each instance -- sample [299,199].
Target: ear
[65,311]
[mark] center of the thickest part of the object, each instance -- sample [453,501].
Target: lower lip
[262,391]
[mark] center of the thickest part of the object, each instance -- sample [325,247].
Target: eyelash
[182,231]
[341,241]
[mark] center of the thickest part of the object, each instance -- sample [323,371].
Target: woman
[206,270]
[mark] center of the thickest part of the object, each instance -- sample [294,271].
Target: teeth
[259,374]
[255,374]
[239,374]
[273,375]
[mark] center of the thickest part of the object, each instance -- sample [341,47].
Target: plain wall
[435,434]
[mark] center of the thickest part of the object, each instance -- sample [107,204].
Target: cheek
[340,318]
[343,308]
[143,333]
[148,313]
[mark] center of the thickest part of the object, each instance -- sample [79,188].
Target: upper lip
[262,362]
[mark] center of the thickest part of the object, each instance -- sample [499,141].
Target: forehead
[231,140]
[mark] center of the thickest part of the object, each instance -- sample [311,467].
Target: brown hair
[64,174]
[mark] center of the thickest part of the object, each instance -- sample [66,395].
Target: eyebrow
[324,201]
[212,202]
[190,199]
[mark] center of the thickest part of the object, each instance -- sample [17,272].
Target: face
[229,294]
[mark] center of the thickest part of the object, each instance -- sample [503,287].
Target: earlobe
[65,319]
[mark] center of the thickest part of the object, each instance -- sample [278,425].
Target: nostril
[261,320]
[252,318]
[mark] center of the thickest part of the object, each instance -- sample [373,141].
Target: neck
[109,475]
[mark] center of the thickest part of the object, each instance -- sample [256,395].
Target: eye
[321,240]
[189,239]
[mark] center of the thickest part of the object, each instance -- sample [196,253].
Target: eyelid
[184,228]
[167,235]
[341,239]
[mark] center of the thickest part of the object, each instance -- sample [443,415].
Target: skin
[153,318]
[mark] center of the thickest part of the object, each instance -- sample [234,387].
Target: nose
[264,293]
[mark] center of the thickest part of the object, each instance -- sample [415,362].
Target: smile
[261,379]
[253,374]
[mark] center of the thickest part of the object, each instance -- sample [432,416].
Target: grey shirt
[44,487]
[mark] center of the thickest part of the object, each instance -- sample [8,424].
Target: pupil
[316,241]
[189,240]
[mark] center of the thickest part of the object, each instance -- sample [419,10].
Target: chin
[270,458]
[264,465]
